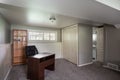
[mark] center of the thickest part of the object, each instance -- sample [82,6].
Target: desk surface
[41,55]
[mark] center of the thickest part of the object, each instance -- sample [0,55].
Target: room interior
[80,38]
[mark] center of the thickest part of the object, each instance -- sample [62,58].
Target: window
[52,36]
[42,35]
[46,36]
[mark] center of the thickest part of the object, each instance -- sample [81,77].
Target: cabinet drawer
[19,60]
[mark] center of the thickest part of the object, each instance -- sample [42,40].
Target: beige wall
[112,44]
[5,60]
[85,44]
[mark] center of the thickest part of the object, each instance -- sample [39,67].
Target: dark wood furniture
[38,63]
[19,41]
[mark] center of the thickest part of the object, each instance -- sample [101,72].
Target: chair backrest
[31,50]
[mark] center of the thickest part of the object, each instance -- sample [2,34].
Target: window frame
[43,31]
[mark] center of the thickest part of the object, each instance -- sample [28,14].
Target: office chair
[31,50]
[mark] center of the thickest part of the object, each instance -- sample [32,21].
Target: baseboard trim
[85,64]
[8,73]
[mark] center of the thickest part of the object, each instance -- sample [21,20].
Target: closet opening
[98,44]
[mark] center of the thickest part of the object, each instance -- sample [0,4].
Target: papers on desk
[44,54]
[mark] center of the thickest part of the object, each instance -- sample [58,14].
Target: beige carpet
[67,71]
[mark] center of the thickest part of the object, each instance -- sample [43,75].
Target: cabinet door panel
[70,44]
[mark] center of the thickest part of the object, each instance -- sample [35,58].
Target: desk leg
[51,67]
[41,72]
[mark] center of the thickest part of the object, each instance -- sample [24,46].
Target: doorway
[98,44]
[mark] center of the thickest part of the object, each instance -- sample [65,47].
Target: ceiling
[67,12]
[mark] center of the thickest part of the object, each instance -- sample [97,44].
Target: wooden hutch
[19,40]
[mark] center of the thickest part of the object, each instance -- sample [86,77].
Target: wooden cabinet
[19,39]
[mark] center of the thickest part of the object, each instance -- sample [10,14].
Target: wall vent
[113,66]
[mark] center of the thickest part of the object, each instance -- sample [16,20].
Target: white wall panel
[70,43]
[85,44]
[49,47]
[5,60]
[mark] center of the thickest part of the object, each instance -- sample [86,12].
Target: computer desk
[37,64]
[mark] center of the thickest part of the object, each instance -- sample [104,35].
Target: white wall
[5,60]
[4,31]
[49,47]
[5,51]
[85,44]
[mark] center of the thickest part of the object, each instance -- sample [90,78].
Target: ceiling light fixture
[52,18]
